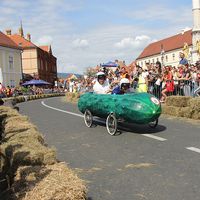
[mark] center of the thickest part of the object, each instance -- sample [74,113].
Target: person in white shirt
[101,86]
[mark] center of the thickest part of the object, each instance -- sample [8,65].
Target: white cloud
[80,43]
[44,40]
[133,42]
[77,48]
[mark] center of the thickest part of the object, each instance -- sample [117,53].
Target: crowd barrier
[188,88]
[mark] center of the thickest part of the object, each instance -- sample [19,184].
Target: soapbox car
[139,108]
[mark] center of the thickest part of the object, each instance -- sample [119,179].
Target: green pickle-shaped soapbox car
[139,108]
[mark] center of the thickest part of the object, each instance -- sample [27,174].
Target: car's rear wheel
[153,124]
[88,118]
[111,124]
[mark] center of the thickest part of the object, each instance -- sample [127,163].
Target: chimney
[8,32]
[28,37]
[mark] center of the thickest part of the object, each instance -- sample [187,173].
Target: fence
[180,88]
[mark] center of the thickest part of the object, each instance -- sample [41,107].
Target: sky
[85,33]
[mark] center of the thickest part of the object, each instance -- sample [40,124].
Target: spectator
[183,60]
[169,84]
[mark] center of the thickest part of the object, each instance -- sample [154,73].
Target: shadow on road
[133,128]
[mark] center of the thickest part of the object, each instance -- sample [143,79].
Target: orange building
[37,61]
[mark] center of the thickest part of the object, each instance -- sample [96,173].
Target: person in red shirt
[169,84]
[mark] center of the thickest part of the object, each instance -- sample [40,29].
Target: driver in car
[101,86]
[124,87]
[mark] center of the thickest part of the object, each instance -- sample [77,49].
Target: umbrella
[36,82]
[110,64]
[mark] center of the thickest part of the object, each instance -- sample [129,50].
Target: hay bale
[185,112]
[178,101]
[196,115]
[9,112]
[29,134]
[17,124]
[194,104]
[170,110]
[24,151]
[20,99]
[55,182]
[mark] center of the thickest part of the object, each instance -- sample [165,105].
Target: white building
[167,50]
[10,62]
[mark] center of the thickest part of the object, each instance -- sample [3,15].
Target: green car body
[141,108]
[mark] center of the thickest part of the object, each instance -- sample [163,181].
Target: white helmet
[100,75]
[124,82]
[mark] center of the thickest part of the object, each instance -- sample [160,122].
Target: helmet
[101,75]
[124,83]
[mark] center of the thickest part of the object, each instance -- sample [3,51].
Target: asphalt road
[162,165]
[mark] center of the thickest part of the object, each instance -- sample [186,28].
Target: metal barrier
[181,88]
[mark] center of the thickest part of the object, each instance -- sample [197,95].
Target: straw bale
[9,112]
[17,124]
[20,99]
[28,135]
[48,182]
[185,112]
[171,110]
[178,101]
[25,151]
[196,115]
[194,104]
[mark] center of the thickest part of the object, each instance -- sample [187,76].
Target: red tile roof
[7,42]
[45,48]
[22,42]
[168,44]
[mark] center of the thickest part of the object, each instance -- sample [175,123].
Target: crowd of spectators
[29,90]
[159,80]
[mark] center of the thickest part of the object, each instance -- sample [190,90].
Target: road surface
[138,164]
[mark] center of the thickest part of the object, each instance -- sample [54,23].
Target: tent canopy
[110,64]
[36,82]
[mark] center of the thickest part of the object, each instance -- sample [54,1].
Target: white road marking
[79,115]
[154,137]
[193,149]
[71,113]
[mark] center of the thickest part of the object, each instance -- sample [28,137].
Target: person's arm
[188,76]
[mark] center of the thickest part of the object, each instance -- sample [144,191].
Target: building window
[157,59]
[141,63]
[166,58]
[173,55]
[11,62]
[153,61]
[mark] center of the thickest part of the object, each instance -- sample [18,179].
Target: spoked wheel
[111,124]
[153,124]
[88,118]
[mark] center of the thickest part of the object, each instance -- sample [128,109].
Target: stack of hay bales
[72,97]
[20,99]
[30,166]
[181,106]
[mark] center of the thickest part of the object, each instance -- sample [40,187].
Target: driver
[124,87]
[101,86]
